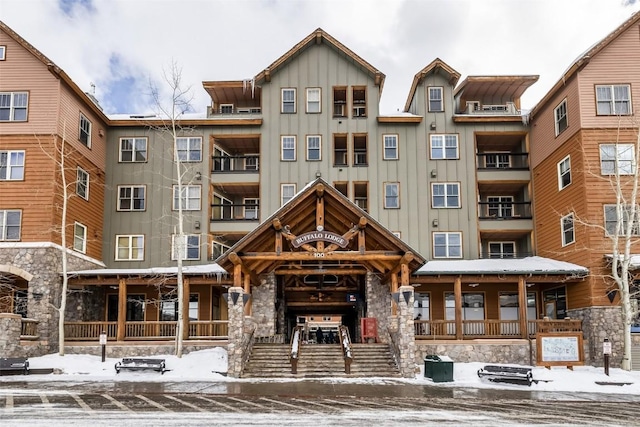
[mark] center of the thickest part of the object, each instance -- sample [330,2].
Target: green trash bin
[438,368]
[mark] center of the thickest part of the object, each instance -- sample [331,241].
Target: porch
[490,328]
[145,330]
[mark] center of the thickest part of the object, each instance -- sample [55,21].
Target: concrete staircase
[320,361]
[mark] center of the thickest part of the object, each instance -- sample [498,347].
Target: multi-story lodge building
[299,198]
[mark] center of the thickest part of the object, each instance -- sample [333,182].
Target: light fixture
[198,176]
[434,222]
[433,126]
[196,225]
[318,174]
[473,285]
[434,173]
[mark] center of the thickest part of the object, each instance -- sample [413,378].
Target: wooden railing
[29,330]
[157,330]
[491,328]
[294,354]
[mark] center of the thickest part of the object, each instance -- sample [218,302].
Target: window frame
[187,247]
[129,248]
[251,207]
[81,239]
[288,139]
[390,198]
[134,151]
[82,183]
[444,149]
[3,52]
[5,225]
[188,151]
[564,173]
[447,246]
[616,160]
[8,167]
[132,198]
[84,130]
[395,150]
[502,253]
[433,101]
[612,102]
[310,102]
[12,108]
[561,120]
[568,229]
[186,189]
[318,149]
[613,208]
[284,186]
[284,103]
[445,195]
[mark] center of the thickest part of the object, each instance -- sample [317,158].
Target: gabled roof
[504,88]
[317,37]
[437,65]
[584,59]
[55,70]
[339,215]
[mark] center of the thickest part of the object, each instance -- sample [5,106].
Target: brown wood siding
[618,63]
[543,131]
[21,71]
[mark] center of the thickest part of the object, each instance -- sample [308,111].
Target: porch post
[406,338]
[247,290]
[522,307]
[236,345]
[185,306]
[122,309]
[457,292]
[394,289]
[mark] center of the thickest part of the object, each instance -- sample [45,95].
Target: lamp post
[103,344]
[606,351]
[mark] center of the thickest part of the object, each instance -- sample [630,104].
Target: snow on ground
[211,365]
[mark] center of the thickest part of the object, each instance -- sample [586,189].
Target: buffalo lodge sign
[320,235]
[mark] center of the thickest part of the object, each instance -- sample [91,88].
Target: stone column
[264,306]
[378,304]
[236,331]
[406,338]
[11,327]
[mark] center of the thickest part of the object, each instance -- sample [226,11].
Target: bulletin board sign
[559,349]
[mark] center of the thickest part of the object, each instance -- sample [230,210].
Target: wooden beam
[394,289]
[347,236]
[362,248]
[404,274]
[291,237]
[278,242]
[457,290]
[389,256]
[522,307]
[336,271]
[122,309]
[404,261]
[320,215]
[237,261]
[325,289]
[247,290]
[185,305]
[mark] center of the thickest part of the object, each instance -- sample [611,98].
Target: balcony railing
[477,108]
[235,164]
[504,210]
[231,111]
[491,328]
[235,212]
[29,329]
[503,161]
[156,330]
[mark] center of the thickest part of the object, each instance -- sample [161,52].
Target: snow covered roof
[634,260]
[528,265]
[189,269]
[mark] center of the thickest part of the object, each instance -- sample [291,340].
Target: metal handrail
[345,342]
[296,337]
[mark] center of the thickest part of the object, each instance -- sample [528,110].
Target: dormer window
[435,99]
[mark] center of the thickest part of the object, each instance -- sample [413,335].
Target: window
[13,106]
[613,100]
[560,114]
[131,198]
[130,248]
[189,149]
[3,51]
[359,97]
[314,144]
[221,208]
[251,162]
[500,206]
[391,195]
[313,100]
[226,109]
[10,222]
[217,249]
[82,184]
[568,235]
[497,161]
[502,249]
[360,150]
[340,155]
[445,195]
[342,187]
[287,191]
[11,165]
[444,147]
[169,310]
[617,159]
[611,220]
[80,238]
[339,102]
[288,152]
[188,248]
[85,131]
[288,100]
[133,150]
[189,199]
[361,195]
[447,245]
[564,172]
[435,99]
[390,147]
[251,208]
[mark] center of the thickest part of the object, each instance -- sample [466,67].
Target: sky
[120,46]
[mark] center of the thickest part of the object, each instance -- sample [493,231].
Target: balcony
[501,161]
[491,328]
[477,108]
[230,110]
[504,210]
[235,212]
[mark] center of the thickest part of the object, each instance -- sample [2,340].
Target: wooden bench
[507,374]
[138,364]
[14,365]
